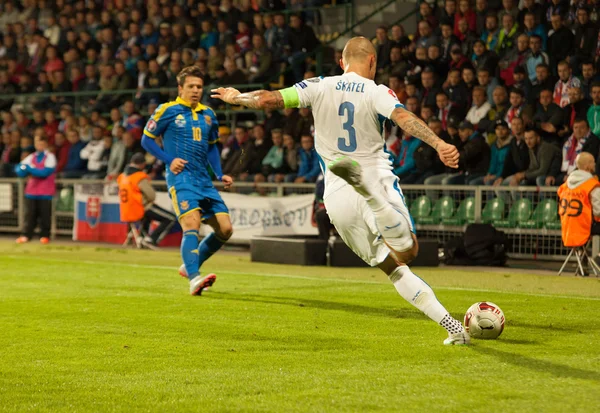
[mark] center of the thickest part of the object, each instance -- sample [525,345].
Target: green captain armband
[290,97]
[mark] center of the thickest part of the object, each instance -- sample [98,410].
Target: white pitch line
[301,277]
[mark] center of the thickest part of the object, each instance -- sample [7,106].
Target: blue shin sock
[209,245]
[189,253]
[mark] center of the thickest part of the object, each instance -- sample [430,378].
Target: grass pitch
[93,329]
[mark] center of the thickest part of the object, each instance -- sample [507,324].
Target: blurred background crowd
[513,84]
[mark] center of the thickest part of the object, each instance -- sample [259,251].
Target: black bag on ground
[482,244]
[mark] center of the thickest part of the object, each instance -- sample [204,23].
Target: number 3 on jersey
[343,144]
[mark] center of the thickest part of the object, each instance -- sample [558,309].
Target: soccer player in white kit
[362,196]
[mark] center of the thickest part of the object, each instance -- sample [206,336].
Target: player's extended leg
[392,225]
[190,224]
[417,292]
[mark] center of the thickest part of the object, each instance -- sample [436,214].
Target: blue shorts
[206,200]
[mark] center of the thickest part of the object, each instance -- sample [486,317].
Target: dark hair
[579,120]
[192,71]
[536,36]
[42,138]
[517,91]
[532,129]
[544,65]
[595,84]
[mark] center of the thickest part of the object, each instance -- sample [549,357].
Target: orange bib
[575,211]
[132,206]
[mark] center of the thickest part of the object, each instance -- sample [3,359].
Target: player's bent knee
[406,257]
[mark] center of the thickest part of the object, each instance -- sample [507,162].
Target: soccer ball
[484,320]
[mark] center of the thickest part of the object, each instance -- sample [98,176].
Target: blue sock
[189,253]
[209,245]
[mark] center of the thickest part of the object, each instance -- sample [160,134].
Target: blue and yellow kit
[189,134]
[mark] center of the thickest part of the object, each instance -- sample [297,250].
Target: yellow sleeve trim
[211,142]
[148,134]
[159,112]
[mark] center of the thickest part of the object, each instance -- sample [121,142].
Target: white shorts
[355,222]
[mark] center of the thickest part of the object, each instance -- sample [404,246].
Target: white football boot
[458,339]
[199,284]
[350,171]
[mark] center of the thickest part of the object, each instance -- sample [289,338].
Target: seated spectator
[517,159]
[308,169]
[465,12]
[473,162]
[586,39]
[404,163]
[530,6]
[427,161]
[466,37]
[301,40]
[565,82]
[116,159]
[447,40]
[531,27]
[485,80]
[234,163]
[76,166]
[507,39]
[483,58]
[573,146]
[520,81]
[491,33]
[273,165]
[499,151]
[132,146]
[498,111]
[61,151]
[94,154]
[480,107]
[259,61]
[543,81]
[515,58]
[548,118]
[517,108]
[40,167]
[577,108]
[429,89]
[541,156]
[457,91]
[481,10]
[559,36]
[593,114]
[457,59]
[255,153]
[10,155]
[425,36]
[536,58]
[446,110]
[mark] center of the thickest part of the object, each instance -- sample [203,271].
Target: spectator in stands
[543,81]
[132,145]
[521,82]
[536,58]
[548,118]
[593,114]
[532,28]
[259,61]
[399,37]
[491,33]
[425,35]
[301,40]
[517,159]
[273,165]
[94,153]
[466,37]
[467,14]
[256,151]
[517,108]
[10,155]
[559,37]
[61,151]
[488,82]
[577,108]
[456,91]
[116,159]
[40,168]
[308,169]
[541,156]
[588,77]
[483,58]
[530,6]
[499,151]
[445,109]
[404,163]
[509,7]
[565,82]
[517,57]
[234,163]
[572,147]
[383,45]
[507,38]
[447,40]
[426,160]
[498,111]
[480,107]
[429,90]
[586,39]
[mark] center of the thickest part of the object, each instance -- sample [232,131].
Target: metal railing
[532,234]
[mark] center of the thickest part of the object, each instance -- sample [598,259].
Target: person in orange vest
[579,205]
[137,201]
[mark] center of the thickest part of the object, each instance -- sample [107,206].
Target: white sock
[391,223]
[418,293]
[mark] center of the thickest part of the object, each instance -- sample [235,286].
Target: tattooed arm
[414,126]
[259,99]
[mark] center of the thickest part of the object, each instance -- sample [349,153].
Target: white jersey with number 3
[349,111]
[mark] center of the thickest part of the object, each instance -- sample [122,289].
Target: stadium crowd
[513,86]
